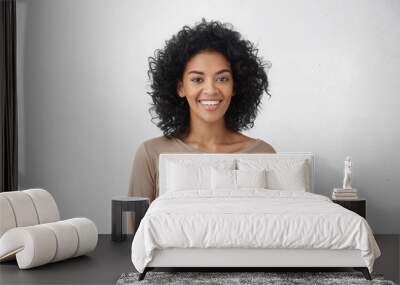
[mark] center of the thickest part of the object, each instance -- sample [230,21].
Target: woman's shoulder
[256,145]
[157,141]
[158,145]
[263,147]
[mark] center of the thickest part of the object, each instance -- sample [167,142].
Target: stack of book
[344,194]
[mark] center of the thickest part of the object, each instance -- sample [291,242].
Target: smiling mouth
[210,105]
[210,102]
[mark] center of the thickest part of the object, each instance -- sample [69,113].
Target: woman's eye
[196,79]
[223,79]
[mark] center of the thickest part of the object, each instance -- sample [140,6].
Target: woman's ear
[179,89]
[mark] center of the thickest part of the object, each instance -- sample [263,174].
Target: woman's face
[207,85]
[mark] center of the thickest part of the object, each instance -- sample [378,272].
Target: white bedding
[250,218]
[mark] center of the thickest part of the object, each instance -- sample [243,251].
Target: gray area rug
[270,278]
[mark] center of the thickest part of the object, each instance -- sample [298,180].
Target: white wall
[83,82]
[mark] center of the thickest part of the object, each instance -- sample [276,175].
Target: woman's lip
[210,107]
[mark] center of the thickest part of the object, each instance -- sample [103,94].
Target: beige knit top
[144,176]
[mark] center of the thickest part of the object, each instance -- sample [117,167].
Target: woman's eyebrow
[202,73]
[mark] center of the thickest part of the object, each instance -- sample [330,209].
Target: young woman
[206,85]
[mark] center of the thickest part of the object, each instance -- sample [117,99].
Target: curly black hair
[171,112]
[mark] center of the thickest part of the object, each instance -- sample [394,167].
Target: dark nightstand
[120,204]
[358,206]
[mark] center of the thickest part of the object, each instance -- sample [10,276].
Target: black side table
[358,206]
[120,204]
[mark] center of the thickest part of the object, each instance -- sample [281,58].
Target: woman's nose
[209,87]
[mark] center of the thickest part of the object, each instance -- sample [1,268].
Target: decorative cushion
[223,179]
[186,178]
[282,174]
[284,171]
[187,175]
[235,179]
[251,178]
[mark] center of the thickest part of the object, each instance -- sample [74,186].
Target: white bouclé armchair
[31,231]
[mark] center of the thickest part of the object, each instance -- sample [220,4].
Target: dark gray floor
[111,259]
[389,262]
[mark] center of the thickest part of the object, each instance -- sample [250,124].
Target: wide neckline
[192,149]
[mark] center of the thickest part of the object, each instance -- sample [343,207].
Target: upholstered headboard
[236,159]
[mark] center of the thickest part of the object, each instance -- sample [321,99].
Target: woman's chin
[211,118]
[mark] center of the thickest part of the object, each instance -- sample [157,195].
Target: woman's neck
[208,135]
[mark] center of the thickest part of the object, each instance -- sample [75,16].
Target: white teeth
[210,102]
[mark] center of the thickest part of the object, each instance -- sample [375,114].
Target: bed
[245,211]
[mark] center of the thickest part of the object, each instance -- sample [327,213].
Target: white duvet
[251,218]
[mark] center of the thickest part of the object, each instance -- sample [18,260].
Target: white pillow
[251,178]
[182,178]
[192,175]
[288,179]
[236,179]
[223,179]
[282,174]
